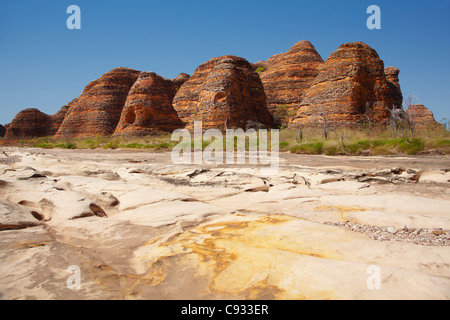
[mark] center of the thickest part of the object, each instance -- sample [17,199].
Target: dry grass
[376,141]
[341,141]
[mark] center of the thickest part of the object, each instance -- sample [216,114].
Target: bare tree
[411,116]
[367,109]
[411,121]
[324,115]
[396,116]
[401,121]
[300,134]
[446,123]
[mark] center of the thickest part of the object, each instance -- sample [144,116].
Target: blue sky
[45,65]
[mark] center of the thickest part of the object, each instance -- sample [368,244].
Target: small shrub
[113,144]
[260,69]
[378,143]
[44,145]
[411,147]
[90,144]
[364,144]
[284,145]
[353,148]
[443,143]
[308,148]
[164,145]
[67,145]
[332,151]
[134,145]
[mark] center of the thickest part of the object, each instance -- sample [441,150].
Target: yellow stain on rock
[341,210]
[244,257]
[26,245]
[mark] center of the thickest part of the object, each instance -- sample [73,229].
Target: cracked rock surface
[140,227]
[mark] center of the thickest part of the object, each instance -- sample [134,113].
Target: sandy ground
[116,224]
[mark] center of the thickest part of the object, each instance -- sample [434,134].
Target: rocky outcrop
[148,108]
[287,76]
[57,120]
[27,124]
[2,131]
[420,115]
[351,87]
[98,110]
[292,89]
[395,92]
[180,80]
[223,92]
[31,123]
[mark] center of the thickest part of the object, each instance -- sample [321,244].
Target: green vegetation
[284,145]
[260,69]
[309,148]
[67,145]
[359,141]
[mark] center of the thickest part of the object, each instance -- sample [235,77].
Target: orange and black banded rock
[395,92]
[180,80]
[350,88]
[421,116]
[287,76]
[148,108]
[98,109]
[224,92]
[31,123]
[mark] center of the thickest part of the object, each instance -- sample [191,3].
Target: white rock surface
[193,232]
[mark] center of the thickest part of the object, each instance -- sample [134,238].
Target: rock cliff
[293,88]
[97,111]
[31,123]
[287,76]
[148,108]
[351,87]
[223,92]
[421,116]
[2,131]
[395,92]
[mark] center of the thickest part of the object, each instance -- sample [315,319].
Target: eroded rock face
[31,123]
[180,80]
[97,111]
[287,76]
[2,131]
[28,123]
[57,120]
[420,115]
[148,108]
[177,231]
[223,92]
[395,92]
[351,87]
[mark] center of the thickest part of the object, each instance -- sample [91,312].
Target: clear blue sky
[45,65]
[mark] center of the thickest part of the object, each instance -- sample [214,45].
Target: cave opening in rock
[130,116]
